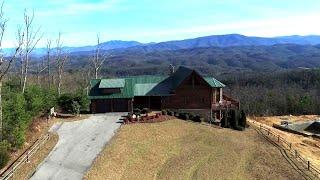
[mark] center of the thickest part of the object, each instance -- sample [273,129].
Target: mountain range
[228,40]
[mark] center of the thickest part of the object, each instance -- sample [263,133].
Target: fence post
[28,156]
[268,131]
[290,146]
[308,165]
[278,138]
[296,153]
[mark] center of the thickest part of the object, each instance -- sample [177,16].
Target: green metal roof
[143,89]
[213,82]
[112,83]
[145,85]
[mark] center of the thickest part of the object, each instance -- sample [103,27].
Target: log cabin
[184,90]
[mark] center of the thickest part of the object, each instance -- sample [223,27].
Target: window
[110,90]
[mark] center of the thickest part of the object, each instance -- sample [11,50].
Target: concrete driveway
[79,143]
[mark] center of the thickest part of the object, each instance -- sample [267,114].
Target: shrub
[182,116]
[65,102]
[243,119]
[191,116]
[75,107]
[170,113]
[196,118]
[71,103]
[187,116]
[129,115]
[39,100]
[4,154]
[16,119]
[34,97]
[145,110]
[82,99]
[224,120]
[164,112]
[136,110]
[234,120]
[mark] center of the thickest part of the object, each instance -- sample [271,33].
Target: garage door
[120,105]
[110,105]
[103,106]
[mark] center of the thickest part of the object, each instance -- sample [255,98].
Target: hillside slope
[211,60]
[181,150]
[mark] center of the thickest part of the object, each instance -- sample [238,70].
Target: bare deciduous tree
[30,40]
[48,46]
[98,59]
[4,64]
[61,59]
[86,75]
[40,68]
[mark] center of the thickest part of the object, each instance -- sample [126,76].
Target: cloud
[270,27]
[90,7]
[75,8]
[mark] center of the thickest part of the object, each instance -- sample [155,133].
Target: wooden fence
[276,138]
[23,158]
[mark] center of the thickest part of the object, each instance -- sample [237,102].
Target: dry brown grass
[308,147]
[37,129]
[270,120]
[182,150]
[26,170]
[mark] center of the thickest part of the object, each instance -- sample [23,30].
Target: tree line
[28,87]
[280,93]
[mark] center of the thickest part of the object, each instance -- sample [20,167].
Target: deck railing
[226,103]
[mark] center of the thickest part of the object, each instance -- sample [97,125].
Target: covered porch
[150,102]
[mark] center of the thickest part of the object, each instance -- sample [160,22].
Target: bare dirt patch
[270,120]
[75,118]
[179,150]
[308,147]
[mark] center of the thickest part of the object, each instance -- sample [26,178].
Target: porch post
[132,105]
[211,103]
[111,103]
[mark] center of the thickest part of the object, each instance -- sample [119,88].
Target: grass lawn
[183,150]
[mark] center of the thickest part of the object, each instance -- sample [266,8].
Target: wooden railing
[276,138]
[226,103]
[23,158]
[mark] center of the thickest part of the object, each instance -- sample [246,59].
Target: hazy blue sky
[161,20]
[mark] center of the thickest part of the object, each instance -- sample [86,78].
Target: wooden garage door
[120,105]
[103,106]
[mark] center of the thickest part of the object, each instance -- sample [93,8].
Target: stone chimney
[171,69]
